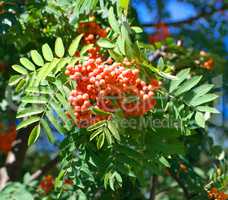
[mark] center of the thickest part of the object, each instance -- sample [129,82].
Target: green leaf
[111,183]
[108,136]
[47,52]
[161,64]
[39,90]
[118,178]
[100,141]
[124,4]
[62,64]
[200,120]
[48,131]
[167,76]
[121,44]
[74,45]
[86,48]
[112,21]
[61,114]
[34,135]
[20,69]
[96,126]
[137,29]
[203,99]
[37,58]
[14,80]
[113,129]
[55,122]
[117,57]
[98,111]
[59,47]
[27,122]
[186,86]
[202,90]
[207,109]
[29,112]
[35,100]
[181,76]
[27,64]
[20,85]
[104,43]
[164,161]
[46,70]
[95,134]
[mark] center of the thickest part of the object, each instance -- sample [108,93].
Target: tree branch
[185,190]
[44,169]
[154,181]
[19,150]
[203,14]
[11,171]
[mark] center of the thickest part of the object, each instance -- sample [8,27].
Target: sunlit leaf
[29,112]
[113,21]
[74,45]
[20,69]
[34,135]
[47,52]
[27,64]
[200,120]
[48,131]
[59,47]
[186,86]
[28,122]
[37,58]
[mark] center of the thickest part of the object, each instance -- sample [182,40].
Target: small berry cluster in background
[7,138]
[162,32]
[47,183]
[208,62]
[215,194]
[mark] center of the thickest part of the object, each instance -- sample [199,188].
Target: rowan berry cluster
[208,62]
[214,194]
[92,31]
[47,184]
[109,86]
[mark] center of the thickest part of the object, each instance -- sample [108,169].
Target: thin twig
[44,169]
[154,181]
[185,190]
[203,14]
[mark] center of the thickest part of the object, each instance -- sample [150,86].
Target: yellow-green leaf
[74,45]
[37,58]
[27,64]
[47,52]
[20,69]
[14,80]
[48,131]
[28,122]
[59,47]
[200,120]
[34,135]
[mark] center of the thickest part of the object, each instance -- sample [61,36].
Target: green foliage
[16,191]
[109,160]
